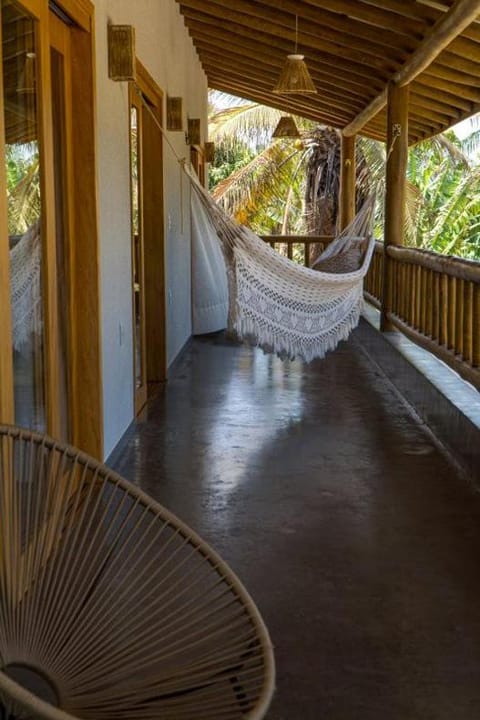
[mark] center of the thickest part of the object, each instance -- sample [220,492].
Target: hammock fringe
[246,329]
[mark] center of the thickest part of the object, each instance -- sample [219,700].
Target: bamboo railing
[433,299]
[298,247]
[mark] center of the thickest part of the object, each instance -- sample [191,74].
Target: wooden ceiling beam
[465,47]
[421,101]
[309,24]
[248,93]
[373,15]
[273,59]
[462,64]
[225,19]
[419,109]
[306,110]
[471,94]
[445,72]
[348,27]
[376,128]
[416,123]
[461,14]
[447,98]
[338,65]
[343,75]
[229,58]
[413,10]
[342,109]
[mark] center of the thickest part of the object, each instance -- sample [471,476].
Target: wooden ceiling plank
[447,98]
[418,109]
[301,108]
[460,15]
[228,59]
[410,9]
[309,24]
[248,93]
[426,102]
[374,15]
[463,46]
[451,24]
[346,26]
[338,64]
[224,18]
[342,109]
[448,87]
[344,76]
[323,78]
[438,69]
[463,64]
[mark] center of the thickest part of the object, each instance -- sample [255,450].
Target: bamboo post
[476,326]
[468,328]
[347,181]
[436,307]
[452,301]
[444,311]
[459,313]
[397,156]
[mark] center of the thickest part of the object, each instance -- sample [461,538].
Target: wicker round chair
[110,607]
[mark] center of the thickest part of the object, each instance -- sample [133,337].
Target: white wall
[165,49]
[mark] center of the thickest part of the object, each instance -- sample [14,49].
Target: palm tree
[285,187]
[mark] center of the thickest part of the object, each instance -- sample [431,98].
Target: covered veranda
[352,524]
[342,491]
[398,72]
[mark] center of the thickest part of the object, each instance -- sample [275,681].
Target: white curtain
[209,276]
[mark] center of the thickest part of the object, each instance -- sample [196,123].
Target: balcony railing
[298,247]
[432,298]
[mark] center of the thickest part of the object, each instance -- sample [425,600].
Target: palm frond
[262,179]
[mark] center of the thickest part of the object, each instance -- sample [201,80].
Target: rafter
[461,14]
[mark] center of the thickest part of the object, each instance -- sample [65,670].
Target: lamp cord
[296,34]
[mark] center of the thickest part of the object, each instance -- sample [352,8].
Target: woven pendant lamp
[286,128]
[295,77]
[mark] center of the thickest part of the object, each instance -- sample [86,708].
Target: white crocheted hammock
[25,283]
[284,307]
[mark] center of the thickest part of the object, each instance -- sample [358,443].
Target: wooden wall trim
[80,11]
[87,367]
[6,360]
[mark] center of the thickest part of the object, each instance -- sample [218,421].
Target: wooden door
[148,242]
[50,364]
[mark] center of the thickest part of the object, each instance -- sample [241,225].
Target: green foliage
[227,161]
[263,183]
[23,187]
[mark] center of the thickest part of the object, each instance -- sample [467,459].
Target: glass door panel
[139,349]
[23,166]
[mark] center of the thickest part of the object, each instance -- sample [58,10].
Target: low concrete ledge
[448,405]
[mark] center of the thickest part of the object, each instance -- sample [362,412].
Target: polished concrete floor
[355,535]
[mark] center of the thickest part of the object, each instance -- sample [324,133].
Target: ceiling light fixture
[295,78]
[286,128]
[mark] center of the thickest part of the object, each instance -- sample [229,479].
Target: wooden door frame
[86,361]
[153,225]
[87,405]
